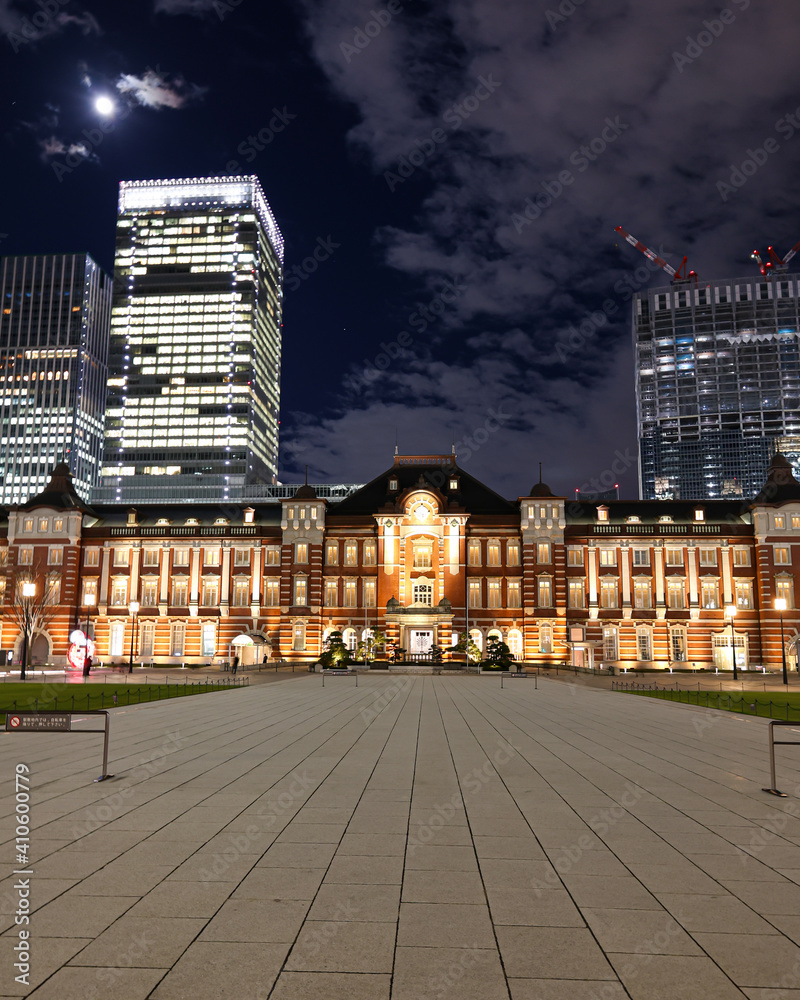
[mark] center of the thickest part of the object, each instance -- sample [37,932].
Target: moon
[104,106]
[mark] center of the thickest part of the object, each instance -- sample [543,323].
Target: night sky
[404,142]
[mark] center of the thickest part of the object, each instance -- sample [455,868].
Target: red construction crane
[679,276]
[774,263]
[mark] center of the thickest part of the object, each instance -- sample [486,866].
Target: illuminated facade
[195,341]
[53,370]
[717,385]
[423,553]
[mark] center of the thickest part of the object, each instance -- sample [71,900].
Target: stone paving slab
[423,837]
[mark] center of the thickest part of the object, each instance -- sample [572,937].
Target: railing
[746,703]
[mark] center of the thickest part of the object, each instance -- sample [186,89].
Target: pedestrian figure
[235,664]
[87,666]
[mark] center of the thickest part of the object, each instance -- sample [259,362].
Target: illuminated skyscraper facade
[717,385]
[53,371]
[195,341]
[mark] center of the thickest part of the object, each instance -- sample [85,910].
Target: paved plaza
[409,838]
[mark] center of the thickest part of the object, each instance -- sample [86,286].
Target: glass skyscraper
[717,384]
[195,341]
[54,327]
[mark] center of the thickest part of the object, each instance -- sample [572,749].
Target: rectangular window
[241,591]
[422,555]
[744,594]
[643,645]
[546,639]
[370,552]
[300,591]
[116,639]
[513,554]
[474,593]
[576,593]
[514,594]
[272,593]
[150,557]
[741,556]
[241,557]
[91,557]
[545,592]
[610,648]
[493,553]
[779,521]
[272,555]
[674,557]
[543,552]
[211,557]
[350,594]
[301,552]
[642,594]
[149,592]
[89,592]
[676,594]
[678,644]
[177,639]
[494,593]
[121,557]
[608,593]
[119,593]
[474,553]
[209,596]
[180,592]
[332,554]
[331,594]
[28,524]
[574,556]
[180,557]
[209,638]
[782,555]
[44,524]
[709,594]
[351,553]
[58,525]
[370,591]
[54,591]
[26,556]
[708,557]
[641,557]
[608,557]
[795,521]
[55,555]
[785,590]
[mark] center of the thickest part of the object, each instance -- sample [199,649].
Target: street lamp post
[28,593]
[133,607]
[730,613]
[780,606]
[89,601]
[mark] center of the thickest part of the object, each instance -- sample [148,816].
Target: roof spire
[396,449]
[540,471]
[307,476]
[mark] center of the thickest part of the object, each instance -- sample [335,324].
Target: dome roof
[541,490]
[781,485]
[305,493]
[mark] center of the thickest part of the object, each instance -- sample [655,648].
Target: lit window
[602,513]
[674,557]
[149,592]
[422,555]
[301,554]
[350,553]
[608,557]
[44,524]
[241,592]
[514,594]
[709,594]
[27,524]
[209,638]
[332,554]
[241,557]
[272,555]
[331,594]
[180,592]
[210,593]
[150,557]
[545,592]
[779,521]
[574,556]
[211,557]
[272,593]
[299,637]
[493,590]
[545,638]
[642,594]
[119,593]
[644,647]
[543,552]
[676,594]
[493,553]
[474,552]
[116,638]
[370,552]
[26,556]
[89,592]
[782,555]
[350,594]
[576,594]
[744,594]
[58,525]
[177,639]
[699,514]
[784,589]
[513,554]
[474,593]
[55,555]
[121,557]
[370,591]
[608,593]
[423,594]
[180,557]
[741,556]
[300,591]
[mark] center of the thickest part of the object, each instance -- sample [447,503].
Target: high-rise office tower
[717,384]
[54,326]
[195,350]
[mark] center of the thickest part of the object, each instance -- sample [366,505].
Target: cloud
[52,147]
[27,24]
[155,89]
[620,114]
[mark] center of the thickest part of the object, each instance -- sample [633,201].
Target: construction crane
[773,264]
[679,275]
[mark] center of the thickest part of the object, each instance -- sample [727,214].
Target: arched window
[610,647]
[515,643]
[350,639]
[644,644]
[495,633]
[545,638]
[476,636]
[299,636]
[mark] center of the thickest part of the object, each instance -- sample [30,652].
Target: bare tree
[35,600]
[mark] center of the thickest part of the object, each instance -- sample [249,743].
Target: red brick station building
[423,552]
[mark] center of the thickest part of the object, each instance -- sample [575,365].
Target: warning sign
[57,722]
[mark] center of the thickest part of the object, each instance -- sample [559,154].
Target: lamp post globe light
[28,591]
[133,607]
[730,614]
[780,606]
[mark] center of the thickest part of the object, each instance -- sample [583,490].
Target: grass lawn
[769,705]
[33,696]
